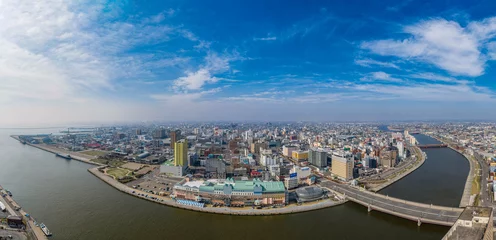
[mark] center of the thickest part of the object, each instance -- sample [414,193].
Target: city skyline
[112,61]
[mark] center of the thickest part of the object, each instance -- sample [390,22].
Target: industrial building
[228,192]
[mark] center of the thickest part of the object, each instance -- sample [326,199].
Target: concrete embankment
[217,210]
[467,190]
[415,166]
[54,150]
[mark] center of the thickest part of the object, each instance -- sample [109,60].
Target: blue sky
[96,60]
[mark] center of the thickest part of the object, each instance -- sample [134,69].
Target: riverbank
[415,166]
[217,210]
[467,190]
[74,155]
[32,231]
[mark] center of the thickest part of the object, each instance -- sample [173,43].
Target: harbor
[19,223]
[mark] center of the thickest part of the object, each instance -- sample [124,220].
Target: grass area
[94,153]
[118,172]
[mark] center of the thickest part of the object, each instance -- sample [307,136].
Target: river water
[76,205]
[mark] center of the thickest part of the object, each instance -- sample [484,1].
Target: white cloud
[430,92]
[214,64]
[184,96]
[380,76]
[58,49]
[442,43]
[436,77]
[265,39]
[371,63]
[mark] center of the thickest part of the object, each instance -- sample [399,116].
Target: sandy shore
[217,210]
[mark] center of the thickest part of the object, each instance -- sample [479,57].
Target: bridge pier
[369,208]
[418,222]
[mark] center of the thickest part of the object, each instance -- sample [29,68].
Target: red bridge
[433,146]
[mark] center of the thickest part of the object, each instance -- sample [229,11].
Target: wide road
[413,211]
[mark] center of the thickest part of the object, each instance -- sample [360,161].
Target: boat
[2,207]
[45,230]
[68,157]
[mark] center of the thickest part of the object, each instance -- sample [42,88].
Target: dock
[33,231]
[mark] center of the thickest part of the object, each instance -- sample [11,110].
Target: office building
[342,167]
[159,133]
[401,149]
[388,157]
[317,157]
[138,132]
[288,150]
[181,153]
[300,155]
[291,183]
[174,136]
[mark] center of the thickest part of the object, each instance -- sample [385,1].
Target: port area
[149,190]
[87,157]
[15,223]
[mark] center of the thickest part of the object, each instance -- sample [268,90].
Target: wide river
[76,205]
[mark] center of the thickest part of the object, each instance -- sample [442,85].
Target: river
[76,205]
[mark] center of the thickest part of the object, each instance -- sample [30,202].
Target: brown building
[388,157]
[174,136]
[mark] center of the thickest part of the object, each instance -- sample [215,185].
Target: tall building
[342,167]
[317,157]
[159,133]
[174,136]
[401,149]
[388,157]
[300,155]
[181,152]
[138,132]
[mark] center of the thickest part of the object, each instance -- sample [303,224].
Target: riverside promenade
[248,211]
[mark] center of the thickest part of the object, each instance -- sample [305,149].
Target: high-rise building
[138,132]
[174,136]
[342,167]
[159,133]
[317,157]
[401,149]
[181,152]
[388,157]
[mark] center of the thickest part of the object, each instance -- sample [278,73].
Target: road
[484,195]
[441,215]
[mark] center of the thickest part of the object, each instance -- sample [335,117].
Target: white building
[401,149]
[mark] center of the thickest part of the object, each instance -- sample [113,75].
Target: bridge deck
[410,210]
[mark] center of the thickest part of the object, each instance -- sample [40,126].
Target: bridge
[442,145]
[419,212]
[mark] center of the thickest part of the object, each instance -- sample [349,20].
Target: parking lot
[155,183]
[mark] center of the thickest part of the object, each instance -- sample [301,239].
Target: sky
[84,61]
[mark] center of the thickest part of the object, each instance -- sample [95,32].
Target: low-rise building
[300,155]
[229,192]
